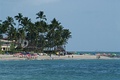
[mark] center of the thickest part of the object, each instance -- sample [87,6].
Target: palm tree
[52,31]
[42,29]
[66,34]
[1,36]
[19,18]
[39,34]
[24,22]
[12,34]
[31,34]
[0,47]
[9,22]
[58,37]
[7,25]
[21,36]
[41,16]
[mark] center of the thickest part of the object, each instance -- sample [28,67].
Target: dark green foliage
[39,34]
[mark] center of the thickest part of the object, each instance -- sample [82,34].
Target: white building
[5,45]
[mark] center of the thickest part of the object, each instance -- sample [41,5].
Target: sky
[94,24]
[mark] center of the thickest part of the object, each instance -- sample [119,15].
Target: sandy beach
[54,57]
[74,57]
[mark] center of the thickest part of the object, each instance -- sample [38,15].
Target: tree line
[39,34]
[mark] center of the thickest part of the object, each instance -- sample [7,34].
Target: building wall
[5,45]
[5,48]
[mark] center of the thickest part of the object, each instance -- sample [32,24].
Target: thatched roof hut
[59,49]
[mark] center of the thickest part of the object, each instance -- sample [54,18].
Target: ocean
[60,70]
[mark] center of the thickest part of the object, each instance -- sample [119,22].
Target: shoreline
[55,57]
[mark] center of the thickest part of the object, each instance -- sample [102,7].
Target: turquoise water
[60,70]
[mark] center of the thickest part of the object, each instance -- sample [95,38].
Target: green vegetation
[12,47]
[39,34]
[0,47]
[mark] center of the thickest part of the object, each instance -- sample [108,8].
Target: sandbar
[55,57]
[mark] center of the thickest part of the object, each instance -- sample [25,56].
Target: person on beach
[98,56]
[72,56]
